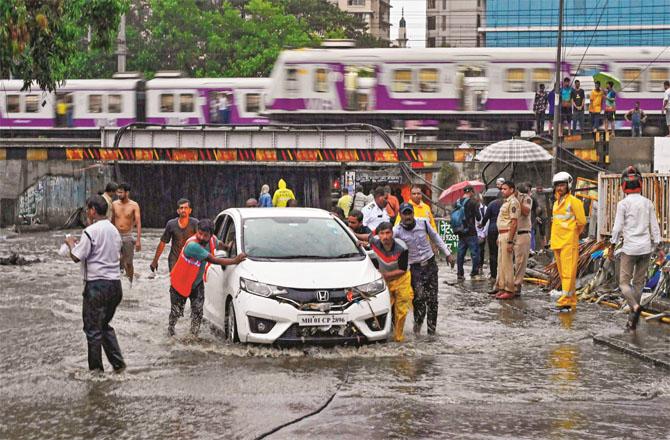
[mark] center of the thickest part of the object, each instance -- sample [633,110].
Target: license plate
[320,320]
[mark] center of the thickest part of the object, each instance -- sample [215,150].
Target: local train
[94,103]
[475,86]
[460,88]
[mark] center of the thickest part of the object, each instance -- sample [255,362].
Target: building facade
[524,23]
[375,13]
[454,23]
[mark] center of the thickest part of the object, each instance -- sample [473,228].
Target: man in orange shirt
[392,205]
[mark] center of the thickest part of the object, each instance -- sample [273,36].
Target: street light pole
[557,90]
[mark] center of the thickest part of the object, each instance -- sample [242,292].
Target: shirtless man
[126,214]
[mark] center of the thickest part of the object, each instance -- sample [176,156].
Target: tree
[329,21]
[38,39]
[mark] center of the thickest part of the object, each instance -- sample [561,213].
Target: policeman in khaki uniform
[522,242]
[507,226]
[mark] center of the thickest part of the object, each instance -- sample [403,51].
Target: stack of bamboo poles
[586,248]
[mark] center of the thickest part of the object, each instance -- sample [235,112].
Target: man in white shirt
[98,251]
[375,213]
[666,105]
[636,222]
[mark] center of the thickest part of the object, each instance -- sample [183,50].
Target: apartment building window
[431,4]
[444,4]
[356,2]
[430,42]
[430,23]
[444,23]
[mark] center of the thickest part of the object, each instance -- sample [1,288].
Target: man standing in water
[126,215]
[393,263]
[176,232]
[636,222]
[186,277]
[98,251]
[108,195]
[417,234]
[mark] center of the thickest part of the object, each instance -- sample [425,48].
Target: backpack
[458,218]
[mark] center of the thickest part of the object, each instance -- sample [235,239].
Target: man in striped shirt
[393,263]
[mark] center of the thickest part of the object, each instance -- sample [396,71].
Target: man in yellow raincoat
[393,263]
[282,195]
[568,221]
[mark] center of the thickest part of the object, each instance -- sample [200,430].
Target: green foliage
[448,175]
[38,39]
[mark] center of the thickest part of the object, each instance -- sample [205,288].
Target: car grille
[312,299]
[335,335]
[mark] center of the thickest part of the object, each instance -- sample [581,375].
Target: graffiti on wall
[30,201]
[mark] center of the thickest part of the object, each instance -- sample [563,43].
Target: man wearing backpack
[463,223]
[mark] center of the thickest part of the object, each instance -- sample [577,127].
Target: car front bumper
[360,326]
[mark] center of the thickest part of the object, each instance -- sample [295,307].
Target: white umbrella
[513,150]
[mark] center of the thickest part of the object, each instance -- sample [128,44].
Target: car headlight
[261,289]
[371,289]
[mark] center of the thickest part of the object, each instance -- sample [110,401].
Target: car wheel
[231,323]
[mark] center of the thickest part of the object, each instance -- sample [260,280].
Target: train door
[474,87]
[140,102]
[64,109]
[359,86]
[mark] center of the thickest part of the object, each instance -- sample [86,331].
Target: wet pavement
[495,370]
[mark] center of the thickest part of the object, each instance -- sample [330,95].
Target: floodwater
[512,370]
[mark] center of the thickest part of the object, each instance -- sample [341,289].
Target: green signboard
[447,234]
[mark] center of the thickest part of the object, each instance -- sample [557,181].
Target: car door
[215,284]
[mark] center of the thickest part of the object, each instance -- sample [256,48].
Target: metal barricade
[655,186]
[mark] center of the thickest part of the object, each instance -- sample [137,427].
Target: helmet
[562,177]
[631,180]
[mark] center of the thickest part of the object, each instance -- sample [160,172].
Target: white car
[305,280]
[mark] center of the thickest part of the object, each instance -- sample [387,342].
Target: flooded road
[512,370]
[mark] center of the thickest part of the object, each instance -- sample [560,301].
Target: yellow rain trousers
[568,221]
[401,301]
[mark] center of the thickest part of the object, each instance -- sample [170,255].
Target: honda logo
[322,295]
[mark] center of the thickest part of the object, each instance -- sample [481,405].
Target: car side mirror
[221,253]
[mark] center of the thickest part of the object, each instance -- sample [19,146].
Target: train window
[114,104]
[515,80]
[632,80]
[186,102]
[429,80]
[321,80]
[402,81]
[657,75]
[13,104]
[95,103]
[253,102]
[32,104]
[291,84]
[542,76]
[167,103]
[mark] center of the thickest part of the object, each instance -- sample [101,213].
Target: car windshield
[296,238]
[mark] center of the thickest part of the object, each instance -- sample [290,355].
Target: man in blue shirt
[566,104]
[417,234]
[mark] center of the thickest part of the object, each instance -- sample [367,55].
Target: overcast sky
[415,15]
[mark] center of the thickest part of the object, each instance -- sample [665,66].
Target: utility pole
[557,90]
[121,48]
